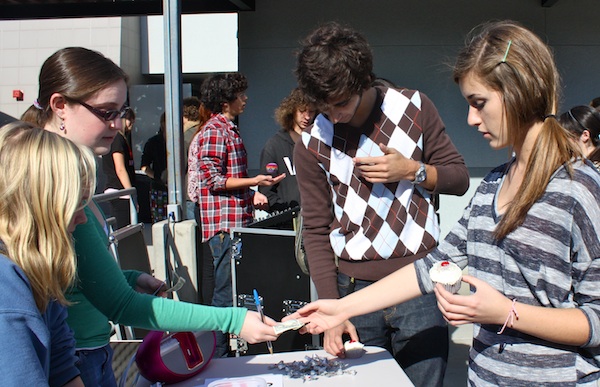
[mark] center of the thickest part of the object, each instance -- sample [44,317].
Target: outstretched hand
[391,167]
[268,180]
[255,331]
[318,316]
[485,306]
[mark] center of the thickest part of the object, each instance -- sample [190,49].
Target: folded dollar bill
[287,326]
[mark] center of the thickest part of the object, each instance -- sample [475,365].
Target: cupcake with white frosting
[448,274]
[353,349]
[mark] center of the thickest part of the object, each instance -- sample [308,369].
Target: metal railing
[118,194]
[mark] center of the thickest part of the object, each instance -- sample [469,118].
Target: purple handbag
[174,357]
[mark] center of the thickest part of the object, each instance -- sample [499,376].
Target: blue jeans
[189,209]
[414,332]
[220,248]
[95,366]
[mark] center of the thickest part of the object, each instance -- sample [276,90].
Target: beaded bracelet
[512,313]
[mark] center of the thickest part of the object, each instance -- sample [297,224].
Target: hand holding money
[287,326]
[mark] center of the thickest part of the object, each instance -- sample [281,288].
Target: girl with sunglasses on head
[38,213]
[530,235]
[584,123]
[82,96]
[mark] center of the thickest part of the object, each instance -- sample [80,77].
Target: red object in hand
[272,169]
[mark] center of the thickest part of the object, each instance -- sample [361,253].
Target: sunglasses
[583,128]
[106,115]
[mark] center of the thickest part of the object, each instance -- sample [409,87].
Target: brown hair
[191,106]
[334,62]
[512,60]
[75,72]
[284,113]
[222,88]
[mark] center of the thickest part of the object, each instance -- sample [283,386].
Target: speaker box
[263,259]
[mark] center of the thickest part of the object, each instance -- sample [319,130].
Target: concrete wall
[25,45]
[413,43]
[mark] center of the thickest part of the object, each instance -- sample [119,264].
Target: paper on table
[272,380]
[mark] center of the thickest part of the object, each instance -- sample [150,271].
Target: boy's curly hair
[221,88]
[284,113]
[334,62]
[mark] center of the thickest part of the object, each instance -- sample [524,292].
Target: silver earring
[62,126]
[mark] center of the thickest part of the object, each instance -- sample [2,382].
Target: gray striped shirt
[551,260]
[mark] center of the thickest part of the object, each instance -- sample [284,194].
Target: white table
[375,367]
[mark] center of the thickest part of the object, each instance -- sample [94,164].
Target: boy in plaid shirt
[218,179]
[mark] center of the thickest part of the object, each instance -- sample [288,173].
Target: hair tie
[37,105]
[506,52]
[549,116]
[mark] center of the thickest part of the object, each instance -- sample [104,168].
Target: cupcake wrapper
[354,353]
[452,288]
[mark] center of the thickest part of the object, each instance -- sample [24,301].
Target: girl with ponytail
[530,235]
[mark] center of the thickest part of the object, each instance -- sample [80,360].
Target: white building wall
[25,44]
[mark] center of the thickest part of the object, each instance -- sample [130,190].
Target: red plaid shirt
[216,154]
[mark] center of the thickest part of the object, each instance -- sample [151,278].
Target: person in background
[218,180]
[38,213]
[584,123]
[82,96]
[191,125]
[293,116]
[191,119]
[367,169]
[154,165]
[530,235]
[119,170]
[198,114]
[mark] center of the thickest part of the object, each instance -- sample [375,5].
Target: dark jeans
[204,262]
[220,247]
[414,332]
[95,366]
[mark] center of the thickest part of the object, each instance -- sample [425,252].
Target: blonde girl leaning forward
[38,213]
[530,235]
[82,96]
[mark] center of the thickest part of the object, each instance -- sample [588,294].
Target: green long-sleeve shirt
[104,292]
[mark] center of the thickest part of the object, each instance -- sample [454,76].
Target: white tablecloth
[375,368]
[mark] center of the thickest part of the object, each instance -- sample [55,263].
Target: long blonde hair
[44,180]
[514,61]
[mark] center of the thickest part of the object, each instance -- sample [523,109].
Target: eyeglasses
[106,115]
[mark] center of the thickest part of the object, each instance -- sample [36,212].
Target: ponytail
[552,149]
